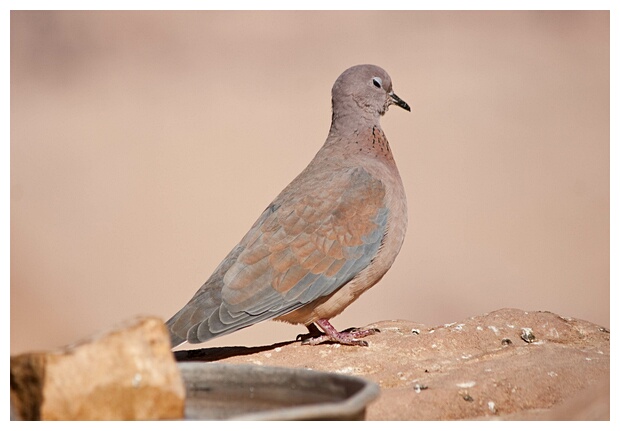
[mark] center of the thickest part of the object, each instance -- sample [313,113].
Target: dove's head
[365,89]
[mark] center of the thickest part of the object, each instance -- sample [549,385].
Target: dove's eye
[377,82]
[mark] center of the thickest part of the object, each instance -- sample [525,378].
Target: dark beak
[395,100]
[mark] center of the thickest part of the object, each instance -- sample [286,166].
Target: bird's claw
[314,341]
[362,332]
[348,337]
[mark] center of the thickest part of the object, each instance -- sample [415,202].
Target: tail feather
[175,338]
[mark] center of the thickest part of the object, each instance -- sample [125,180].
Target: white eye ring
[377,82]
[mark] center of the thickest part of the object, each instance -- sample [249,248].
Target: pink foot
[330,334]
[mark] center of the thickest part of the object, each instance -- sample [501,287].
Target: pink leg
[348,337]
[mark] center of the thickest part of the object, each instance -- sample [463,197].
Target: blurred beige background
[145,144]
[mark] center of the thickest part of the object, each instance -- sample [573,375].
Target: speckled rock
[508,364]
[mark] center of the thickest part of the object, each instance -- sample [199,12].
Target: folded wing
[307,244]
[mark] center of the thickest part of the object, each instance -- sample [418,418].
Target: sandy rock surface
[508,364]
[124,373]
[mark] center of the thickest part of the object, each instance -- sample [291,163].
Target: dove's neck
[360,138]
[356,132]
[348,122]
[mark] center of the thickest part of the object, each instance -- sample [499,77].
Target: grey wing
[303,247]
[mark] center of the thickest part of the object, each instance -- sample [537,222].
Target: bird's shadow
[210,354]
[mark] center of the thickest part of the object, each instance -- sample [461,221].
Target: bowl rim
[345,408]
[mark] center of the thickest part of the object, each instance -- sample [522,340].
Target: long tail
[175,339]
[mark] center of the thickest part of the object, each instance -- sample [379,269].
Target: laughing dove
[330,235]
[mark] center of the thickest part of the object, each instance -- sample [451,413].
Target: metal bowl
[252,392]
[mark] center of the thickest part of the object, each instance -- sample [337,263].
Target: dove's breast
[379,163]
